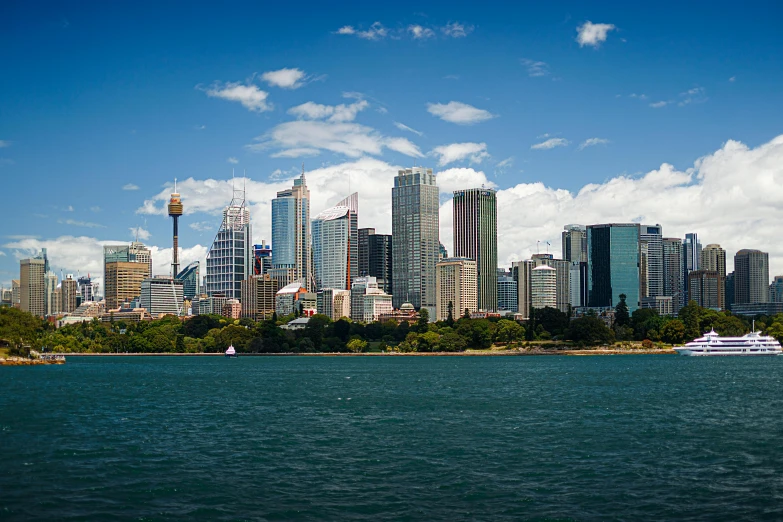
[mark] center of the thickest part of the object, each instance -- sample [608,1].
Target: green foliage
[424,320]
[621,317]
[673,332]
[552,320]
[357,345]
[590,330]
[508,331]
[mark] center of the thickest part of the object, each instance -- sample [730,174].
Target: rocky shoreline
[469,353]
[24,361]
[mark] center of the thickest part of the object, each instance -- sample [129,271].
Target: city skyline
[523,124]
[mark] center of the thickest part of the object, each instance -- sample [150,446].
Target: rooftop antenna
[538,250]
[175,185]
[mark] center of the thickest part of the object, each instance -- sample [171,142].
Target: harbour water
[393,438]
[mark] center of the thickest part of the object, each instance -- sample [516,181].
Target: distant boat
[231,352]
[712,344]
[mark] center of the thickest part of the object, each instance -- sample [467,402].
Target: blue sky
[95,98]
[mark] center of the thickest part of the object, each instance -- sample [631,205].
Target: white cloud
[404,127]
[592,34]
[2,254]
[461,178]
[659,104]
[284,78]
[474,152]
[75,223]
[204,226]
[420,33]
[638,96]
[250,96]
[4,143]
[590,142]
[459,113]
[346,29]
[232,160]
[334,113]
[693,95]
[551,143]
[535,68]
[95,209]
[504,164]
[130,186]
[457,30]
[139,232]
[200,127]
[305,138]
[733,79]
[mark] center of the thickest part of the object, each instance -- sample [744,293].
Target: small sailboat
[231,352]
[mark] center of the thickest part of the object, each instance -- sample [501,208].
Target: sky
[576,112]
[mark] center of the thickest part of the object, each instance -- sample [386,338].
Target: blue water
[393,438]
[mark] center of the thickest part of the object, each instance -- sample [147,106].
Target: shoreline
[498,353]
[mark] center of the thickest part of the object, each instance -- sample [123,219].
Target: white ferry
[750,344]
[231,352]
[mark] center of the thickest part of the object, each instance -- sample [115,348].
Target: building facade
[691,259]
[368,302]
[651,242]
[375,257]
[69,293]
[32,286]
[191,279]
[475,228]
[334,303]
[230,257]
[291,254]
[122,282]
[713,258]
[258,297]
[508,292]
[613,265]
[776,290]
[543,287]
[262,258]
[162,296]
[574,243]
[577,283]
[415,238]
[457,283]
[751,277]
[673,272]
[705,288]
[287,296]
[333,263]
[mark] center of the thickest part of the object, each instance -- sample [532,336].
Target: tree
[452,342]
[553,320]
[621,317]
[342,329]
[315,329]
[690,315]
[509,331]
[466,315]
[673,332]
[450,318]
[776,330]
[357,345]
[198,326]
[729,326]
[424,320]
[590,330]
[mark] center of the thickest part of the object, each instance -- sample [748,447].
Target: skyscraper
[691,257]
[258,297]
[457,283]
[175,211]
[334,265]
[230,257]
[652,237]
[673,278]
[508,293]
[32,278]
[520,272]
[161,296]
[415,243]
[705,288]
[476,237]
[291,235]
[543,287]
[751,277]
[68,292]
[713,258]
[776,290]
[262,258]
[190,280]
[122,282]
[368,301]
[375,257]
[574,243]
[613,264]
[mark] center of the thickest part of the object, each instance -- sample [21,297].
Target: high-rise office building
[122,282]
[729,290]
[335,245]
[563,277]
[16,293]
[139,253]
[258,297]
[375,257]
[415,244]
[520,272]
[476,237]
[673,278]
[705,288]
[334,303]
[751,277]
[291,255]
[32,286]
[574,243]
[457,283]
[262,258]
[69,290]
[713,258]
[543,287]
[508,292]
[577,283]
[52,294]
[613,264]
[691,258]
[87,289]
[651,236]
[191,279]
[776,290]
[230,257]
[162,296]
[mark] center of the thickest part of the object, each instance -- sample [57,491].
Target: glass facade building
[415,238]
[291,233]
[230,258]
[331,233]
[613,265]
[476,237]
[190,280]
